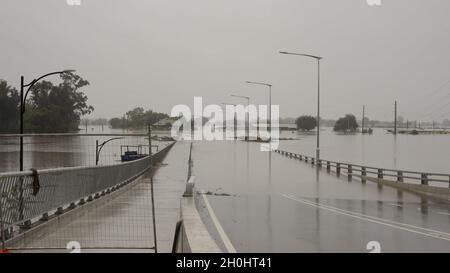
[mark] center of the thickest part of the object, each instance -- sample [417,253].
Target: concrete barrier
[193,237]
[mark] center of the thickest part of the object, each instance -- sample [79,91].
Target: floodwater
[267,202]
[44,152]
[423,153]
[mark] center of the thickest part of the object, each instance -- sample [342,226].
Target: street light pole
[247,118]
[234,120]
[269,125]
[22,104]
[318,58]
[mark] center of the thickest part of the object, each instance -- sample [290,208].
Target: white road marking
[223,235]
[443,213]
[380,219]
[433,234]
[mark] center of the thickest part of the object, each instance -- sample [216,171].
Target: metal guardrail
[374,172]
[26,196]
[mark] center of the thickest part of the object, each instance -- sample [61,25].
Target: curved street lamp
[318,58]
[22,104]
[270,105]
[269,126]
[98,148]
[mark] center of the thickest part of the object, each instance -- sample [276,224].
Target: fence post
[399,176]
[349,171]
[2,226]
[363,174]
[328,166]
[338,168]
[312,160]
[319,163]
[44,217]
[424,179]
[155,241]
[380,173]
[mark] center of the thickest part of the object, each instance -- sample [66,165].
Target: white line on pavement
[401,226]
[228,245]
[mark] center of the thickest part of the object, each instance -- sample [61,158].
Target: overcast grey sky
[158,53]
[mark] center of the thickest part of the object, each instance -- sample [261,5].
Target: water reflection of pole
[270,167]
[247,191]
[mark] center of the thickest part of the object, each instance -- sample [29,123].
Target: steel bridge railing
[373,172]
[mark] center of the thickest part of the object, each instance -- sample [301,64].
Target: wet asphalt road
[277,204]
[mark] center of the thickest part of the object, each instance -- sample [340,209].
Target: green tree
[137,118]
[306,123]
[57,108]
[9,108]
[116,123]
[153,117]
[347,123]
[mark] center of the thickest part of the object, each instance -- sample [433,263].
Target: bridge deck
[122,221]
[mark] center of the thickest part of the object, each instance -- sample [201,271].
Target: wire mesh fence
[38,198]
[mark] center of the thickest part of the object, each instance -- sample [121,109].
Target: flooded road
[269,203]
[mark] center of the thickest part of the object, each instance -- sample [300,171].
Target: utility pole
[395,118]
[362,122]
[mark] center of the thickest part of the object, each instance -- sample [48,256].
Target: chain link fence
[32,198]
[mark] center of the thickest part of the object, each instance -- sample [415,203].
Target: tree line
[346,123]
[137,118]
[49,108]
